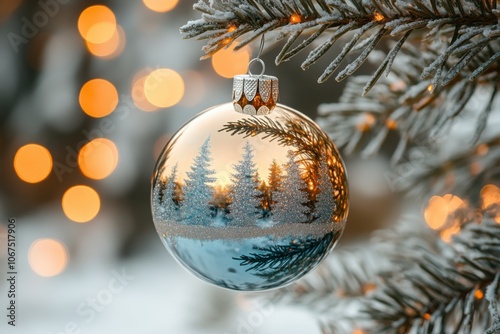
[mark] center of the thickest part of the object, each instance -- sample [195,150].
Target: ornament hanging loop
[255,94]
[261,62]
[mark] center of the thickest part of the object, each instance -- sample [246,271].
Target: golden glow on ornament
[227,63]
[478,294]
[110,48]
[231,28]
[98,98]
[32,163]
[490,195]
[378,17]
[47,257]
[430,88]
[98,158]
[97,24]
[164,88]
[160,6]
[295,18]
[81,203]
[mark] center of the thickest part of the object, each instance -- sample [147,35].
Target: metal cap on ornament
[255,94]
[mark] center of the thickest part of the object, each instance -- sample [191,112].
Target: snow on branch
[464,28]
[407,279]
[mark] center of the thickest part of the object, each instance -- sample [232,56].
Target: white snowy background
[39,88]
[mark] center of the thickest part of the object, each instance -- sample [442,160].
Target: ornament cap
[255,94]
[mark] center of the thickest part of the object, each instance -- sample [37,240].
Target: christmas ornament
[250,195]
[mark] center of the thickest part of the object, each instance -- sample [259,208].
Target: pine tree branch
[279,261]
[421,284]
[474,26]
[404,107]
[431,175]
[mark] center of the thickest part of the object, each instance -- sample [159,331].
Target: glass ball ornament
[250,195]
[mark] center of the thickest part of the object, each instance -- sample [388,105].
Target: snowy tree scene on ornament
[249,202]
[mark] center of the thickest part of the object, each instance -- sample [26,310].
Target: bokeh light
[98,98]
[98,158]
[81,203]
[440,208]
[160,6]
[447,234]
[139,94]
[164,87]
[227,63]
[47,257]
[97,24]
[32,163]
[490,195]
[110,49]
[436,212]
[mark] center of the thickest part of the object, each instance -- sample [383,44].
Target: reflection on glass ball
[249,202]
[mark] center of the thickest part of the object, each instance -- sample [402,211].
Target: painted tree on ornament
[169,208]
[291,197]
[198,193]
[245,195]
[158,209]
[274,181]
[325,200]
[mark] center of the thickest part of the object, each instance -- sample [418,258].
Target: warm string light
[295,18]
[32,163]
[391,124]
[110,49]
[98,98]
[98,158]
[227,63]
[378,17]
[164,87]
[490,196]
[160,6]
[47,257]
[97,24]
[438,213]
[81,203]
[366,122]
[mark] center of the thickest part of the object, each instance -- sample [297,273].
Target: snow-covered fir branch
[464,28]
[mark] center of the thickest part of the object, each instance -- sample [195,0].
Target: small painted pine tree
[324,206]
[170,209]
[158,210]
[198,193]
[274,180]
[291,197]
[245,195]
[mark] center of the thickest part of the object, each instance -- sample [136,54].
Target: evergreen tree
[290,197]
[325,201]
[244,208]
[198,193]
[274,180]
[158,209]
[170,209]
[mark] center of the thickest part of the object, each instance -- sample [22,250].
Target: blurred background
[90,92]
